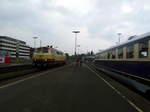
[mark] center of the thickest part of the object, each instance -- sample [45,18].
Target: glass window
[100,56]
[53,51]
[61,53]
[120,53]
[108,56]
[130,51]
[40,50]
[105,55]
[113,54]
[44,50]
[57,53]
[143,49]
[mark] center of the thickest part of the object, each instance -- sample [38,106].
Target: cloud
[54,20]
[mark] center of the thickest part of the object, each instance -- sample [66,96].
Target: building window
[120,53]
[143,49]
[44,50]
[130,51]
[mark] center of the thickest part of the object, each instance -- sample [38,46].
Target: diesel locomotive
[45,56]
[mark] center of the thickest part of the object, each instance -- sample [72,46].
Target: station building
[16,48]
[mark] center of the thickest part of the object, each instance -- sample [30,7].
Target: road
[67,89]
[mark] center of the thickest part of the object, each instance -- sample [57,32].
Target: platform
[65,89]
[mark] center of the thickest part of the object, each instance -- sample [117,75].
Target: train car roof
[44,48]
[50,48]
[138,38]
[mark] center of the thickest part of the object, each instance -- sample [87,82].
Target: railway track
[7,69]
[134,85]
[12,72]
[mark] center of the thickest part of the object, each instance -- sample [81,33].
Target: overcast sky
[53,21]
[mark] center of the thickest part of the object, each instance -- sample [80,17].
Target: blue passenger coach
[131,58]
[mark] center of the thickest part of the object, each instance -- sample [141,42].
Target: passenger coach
[131,58]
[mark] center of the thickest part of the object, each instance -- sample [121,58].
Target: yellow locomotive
[45,56]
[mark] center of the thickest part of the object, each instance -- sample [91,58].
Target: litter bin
[2,59]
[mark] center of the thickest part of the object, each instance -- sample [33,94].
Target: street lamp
[78,48]
[35,42]
[119,36]
[75,32]
[40,43]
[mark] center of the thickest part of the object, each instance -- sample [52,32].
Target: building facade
[16,48]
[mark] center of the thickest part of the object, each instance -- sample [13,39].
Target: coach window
[120,53]
[130,51]
[97,56]
[113,54]
[143,49]
[108,56]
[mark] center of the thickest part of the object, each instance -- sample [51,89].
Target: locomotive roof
[50,48]
[138,38]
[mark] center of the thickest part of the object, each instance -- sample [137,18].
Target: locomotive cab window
[130,51]
[45,50]
[143,49]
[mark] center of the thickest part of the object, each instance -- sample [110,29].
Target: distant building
[16,48]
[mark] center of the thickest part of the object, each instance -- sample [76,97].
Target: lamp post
[119,36]
[40,43]
[75,32]
[78,49]
[35,42]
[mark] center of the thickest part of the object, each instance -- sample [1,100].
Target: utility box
[7,59]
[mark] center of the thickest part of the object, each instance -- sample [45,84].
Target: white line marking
[131,103]
[118,92]
[21,80]
[16,82]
